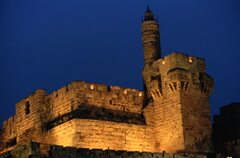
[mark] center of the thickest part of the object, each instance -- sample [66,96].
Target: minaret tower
[150,38]
[151,48]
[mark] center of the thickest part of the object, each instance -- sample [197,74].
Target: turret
[178,92]
[150,38]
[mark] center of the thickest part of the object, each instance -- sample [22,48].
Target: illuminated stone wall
[62,134]
[34,112]
[79,93]
[9,127]
[171,115]
[26,124]
[95,134]
[178,88]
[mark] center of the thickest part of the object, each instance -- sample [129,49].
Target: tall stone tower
[177,92]
[151,45]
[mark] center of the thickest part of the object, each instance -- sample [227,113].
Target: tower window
[109,88]
[27,108]
[186,86]
[67,89]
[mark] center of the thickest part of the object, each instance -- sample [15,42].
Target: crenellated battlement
[180,61]
[78,93]
[95,88]
[177,73]
[181,72]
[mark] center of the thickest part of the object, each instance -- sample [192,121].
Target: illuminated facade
[172,114]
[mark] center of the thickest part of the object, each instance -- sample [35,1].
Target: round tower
[150,38]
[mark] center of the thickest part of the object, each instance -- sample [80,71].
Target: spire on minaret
[148,16]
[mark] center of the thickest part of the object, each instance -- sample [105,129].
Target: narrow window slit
[171,87]
[186,86]
[27,108]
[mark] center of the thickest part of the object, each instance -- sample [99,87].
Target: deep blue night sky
[49,43]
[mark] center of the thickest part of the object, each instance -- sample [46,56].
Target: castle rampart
[78,93]
[172,114]
[101,115]
[39,112]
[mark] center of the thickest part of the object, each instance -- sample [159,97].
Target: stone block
[168,155]
[146,155]
[157,155]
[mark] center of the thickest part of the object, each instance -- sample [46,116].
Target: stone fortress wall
[36,111]
[172,114]
[109,117]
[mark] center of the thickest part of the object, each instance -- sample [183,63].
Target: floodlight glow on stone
[91,86]
[125,91]
[163,62]
[190,59]
[140,94]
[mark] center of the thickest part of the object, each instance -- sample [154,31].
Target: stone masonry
[36,150]
[171,115]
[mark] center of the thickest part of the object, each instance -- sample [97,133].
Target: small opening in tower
[186,86]
[170,86]
[27,108]
[67,89]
